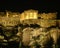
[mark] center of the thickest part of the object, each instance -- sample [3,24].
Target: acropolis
[29,29]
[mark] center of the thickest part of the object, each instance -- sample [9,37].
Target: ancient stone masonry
[48,15]
[31,28]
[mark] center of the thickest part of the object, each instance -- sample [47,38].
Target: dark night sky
[16,5]
[21,5]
